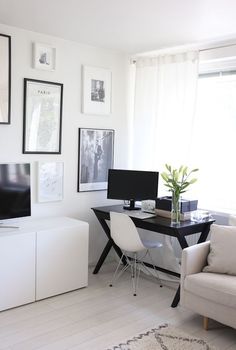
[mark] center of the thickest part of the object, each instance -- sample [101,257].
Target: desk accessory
[149,206]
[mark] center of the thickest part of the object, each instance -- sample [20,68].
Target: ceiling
[131,26]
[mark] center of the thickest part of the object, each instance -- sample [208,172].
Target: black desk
[156,224]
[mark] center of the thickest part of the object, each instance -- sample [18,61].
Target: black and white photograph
[5,78]
[44,56]
[96,91]
[96,148]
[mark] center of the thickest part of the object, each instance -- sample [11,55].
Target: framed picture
[5,79]
[95,158]
[50,181]
[44,56]
[96,97]
[42,116]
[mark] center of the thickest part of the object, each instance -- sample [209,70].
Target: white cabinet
[45,257]
[62,260]
[17,269]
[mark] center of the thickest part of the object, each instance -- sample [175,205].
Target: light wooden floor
[98,316]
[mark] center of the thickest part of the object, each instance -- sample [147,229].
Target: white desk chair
[125,235]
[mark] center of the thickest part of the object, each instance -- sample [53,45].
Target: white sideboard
[44,257]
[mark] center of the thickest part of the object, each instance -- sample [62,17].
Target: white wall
[69,59]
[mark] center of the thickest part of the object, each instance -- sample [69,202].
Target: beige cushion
[222,256]
[212,286]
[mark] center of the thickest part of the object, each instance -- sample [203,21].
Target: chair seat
[151,244]
[213,286]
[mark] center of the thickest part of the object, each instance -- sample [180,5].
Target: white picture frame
[96,92]
[50,181]
[96,156]
[44,57]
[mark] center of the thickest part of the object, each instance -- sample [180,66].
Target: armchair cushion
[218,288]
[222,256]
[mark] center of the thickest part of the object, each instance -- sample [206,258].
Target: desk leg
[108,246]
[102,257]
[175,301]
[204,234]
[183,243]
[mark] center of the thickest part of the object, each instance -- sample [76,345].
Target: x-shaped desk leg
[108,246]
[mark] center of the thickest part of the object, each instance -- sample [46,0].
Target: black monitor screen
[14,190]
[132,184]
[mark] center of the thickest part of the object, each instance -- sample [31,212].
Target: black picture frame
[42,117]
[5,60]
[95,157]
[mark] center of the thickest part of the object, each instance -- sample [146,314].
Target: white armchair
[212,295]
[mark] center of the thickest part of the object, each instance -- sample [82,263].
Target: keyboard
[140,214]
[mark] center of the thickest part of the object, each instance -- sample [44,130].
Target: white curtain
[163,112]
[163,115]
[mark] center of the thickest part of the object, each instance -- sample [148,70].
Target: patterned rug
[164,338]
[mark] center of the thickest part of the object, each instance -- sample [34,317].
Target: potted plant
[177,181]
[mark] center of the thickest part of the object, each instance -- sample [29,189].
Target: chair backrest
[124,233]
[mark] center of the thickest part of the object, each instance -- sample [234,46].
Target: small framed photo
[44,56]
[96,97]
[50,181]
[5,79]
[96,148]
[42,117]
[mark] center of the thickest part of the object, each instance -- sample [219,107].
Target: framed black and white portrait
[96,149]
[5,79]
[42,117]
[96,97]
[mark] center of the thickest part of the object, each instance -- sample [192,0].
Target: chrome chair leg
[134,274]
[154,268]
[115,276]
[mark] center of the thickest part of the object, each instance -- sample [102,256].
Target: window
[214,141]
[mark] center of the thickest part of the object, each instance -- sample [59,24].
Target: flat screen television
[15,197]
[132,185]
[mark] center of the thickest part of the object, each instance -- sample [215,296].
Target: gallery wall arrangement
[42,122]
[5,79]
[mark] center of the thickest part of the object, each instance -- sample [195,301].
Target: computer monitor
[132,185]
[15,198]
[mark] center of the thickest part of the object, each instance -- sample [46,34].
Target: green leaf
[192,181]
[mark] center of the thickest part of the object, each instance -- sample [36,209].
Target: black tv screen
[133,185]
[15,197]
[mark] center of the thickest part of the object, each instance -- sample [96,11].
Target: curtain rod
[217,47]
[133,61]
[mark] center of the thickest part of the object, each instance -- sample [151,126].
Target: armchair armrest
[194,258]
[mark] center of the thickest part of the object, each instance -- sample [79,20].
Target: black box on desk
[164,203]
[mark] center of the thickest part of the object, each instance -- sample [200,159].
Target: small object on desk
[200,215]
[167,214]
[149,206]
[139,214]
[164,203]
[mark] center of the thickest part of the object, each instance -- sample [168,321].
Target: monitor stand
[131,206]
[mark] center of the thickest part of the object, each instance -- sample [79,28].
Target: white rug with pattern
[164,338]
